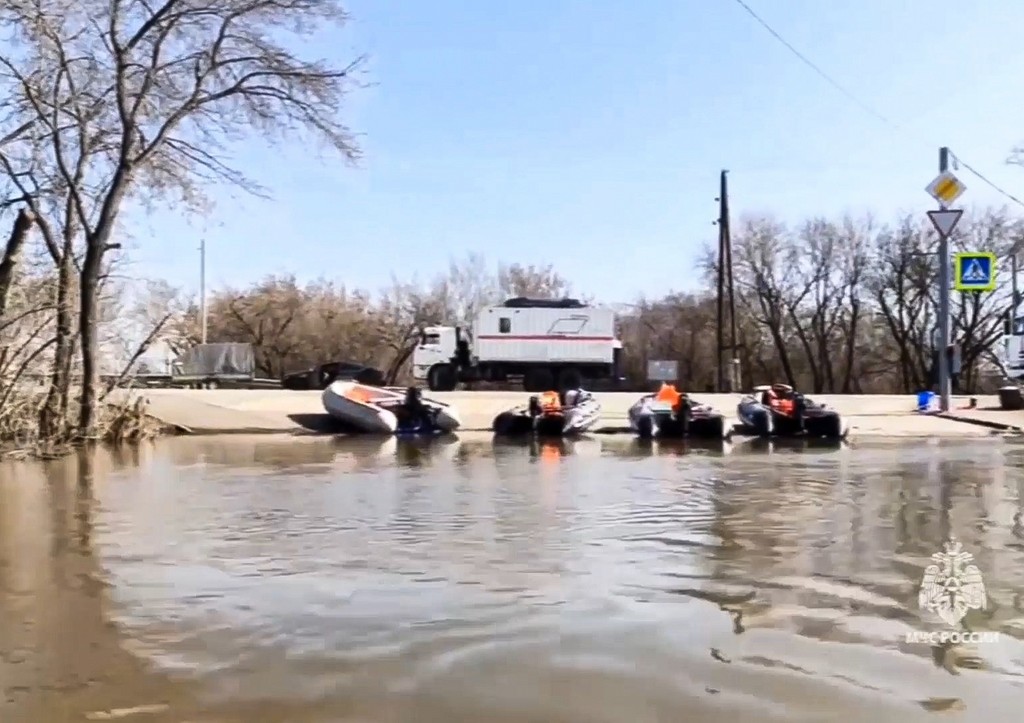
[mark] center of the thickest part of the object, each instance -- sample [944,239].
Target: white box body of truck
[542,341]
[582,336]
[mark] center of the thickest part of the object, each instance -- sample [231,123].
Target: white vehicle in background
[549,343]
[1013,348]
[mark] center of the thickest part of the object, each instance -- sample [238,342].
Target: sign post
[946,188]
[662,370]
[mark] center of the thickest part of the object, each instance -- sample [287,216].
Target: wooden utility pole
[726,372]
[720,286]
[734,375]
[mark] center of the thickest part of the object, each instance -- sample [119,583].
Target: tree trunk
[88,297]
[851,346]
[12,252]
[53,414]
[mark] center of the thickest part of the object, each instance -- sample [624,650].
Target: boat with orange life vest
[670,413]
[779,410]
[551,414]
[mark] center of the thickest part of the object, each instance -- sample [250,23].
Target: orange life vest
[549,402]
[668,393]
[783,405]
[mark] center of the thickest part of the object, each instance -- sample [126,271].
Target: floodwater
[246,580]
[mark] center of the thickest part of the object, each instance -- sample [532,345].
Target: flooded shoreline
[241,411]
[266,579]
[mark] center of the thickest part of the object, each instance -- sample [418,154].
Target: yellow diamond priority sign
[946,188]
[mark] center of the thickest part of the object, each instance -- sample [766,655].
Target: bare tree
[770,282]
[12,254]
[468,286]
[901,287]
[532,281]
[978,317]
[125,98]
[853,267]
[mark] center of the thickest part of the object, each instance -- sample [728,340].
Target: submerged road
[227,411]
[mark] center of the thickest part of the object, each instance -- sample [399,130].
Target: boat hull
[569,421]
[651,422]
[761,420]
[363,416]
[384,411]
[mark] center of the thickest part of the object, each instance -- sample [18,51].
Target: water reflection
[60,657]
[474,579]
[545,449]
[669,447]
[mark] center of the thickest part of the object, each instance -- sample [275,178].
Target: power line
[981,177]
[862,104]
[813,66]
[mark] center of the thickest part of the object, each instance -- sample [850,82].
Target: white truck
[549,343]
[1013,350]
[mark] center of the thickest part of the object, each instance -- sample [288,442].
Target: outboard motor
[684,414]
[534,407]
[800,411]
[418,412]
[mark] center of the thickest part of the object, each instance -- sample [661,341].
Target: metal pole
[945,390]
[720,326]
[202,287]
[1014,290]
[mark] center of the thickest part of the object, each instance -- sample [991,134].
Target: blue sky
[590,135]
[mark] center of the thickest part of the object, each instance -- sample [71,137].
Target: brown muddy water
[246,580]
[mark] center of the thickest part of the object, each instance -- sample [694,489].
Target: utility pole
[202,287]
[945,282]
[734,363]
[1015,303]
[726,371]
[720,316]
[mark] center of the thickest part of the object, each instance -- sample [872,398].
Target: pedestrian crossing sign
[974,271]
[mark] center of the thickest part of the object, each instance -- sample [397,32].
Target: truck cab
[437,345]
[434,354]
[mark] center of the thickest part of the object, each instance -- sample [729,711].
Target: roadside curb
[998,426]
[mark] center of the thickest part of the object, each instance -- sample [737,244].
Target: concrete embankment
[226,411]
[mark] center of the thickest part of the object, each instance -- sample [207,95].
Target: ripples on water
[601,581]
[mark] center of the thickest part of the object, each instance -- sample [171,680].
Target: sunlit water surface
[329,580]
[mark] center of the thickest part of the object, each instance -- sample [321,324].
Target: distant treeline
[832,306]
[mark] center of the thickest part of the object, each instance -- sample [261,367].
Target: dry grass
[122,422]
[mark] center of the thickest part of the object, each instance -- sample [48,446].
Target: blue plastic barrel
[924,401]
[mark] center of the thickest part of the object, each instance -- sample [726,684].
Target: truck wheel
[442,378]
[569,379]
[538,380]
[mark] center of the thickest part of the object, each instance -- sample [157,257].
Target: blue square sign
[974,271]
